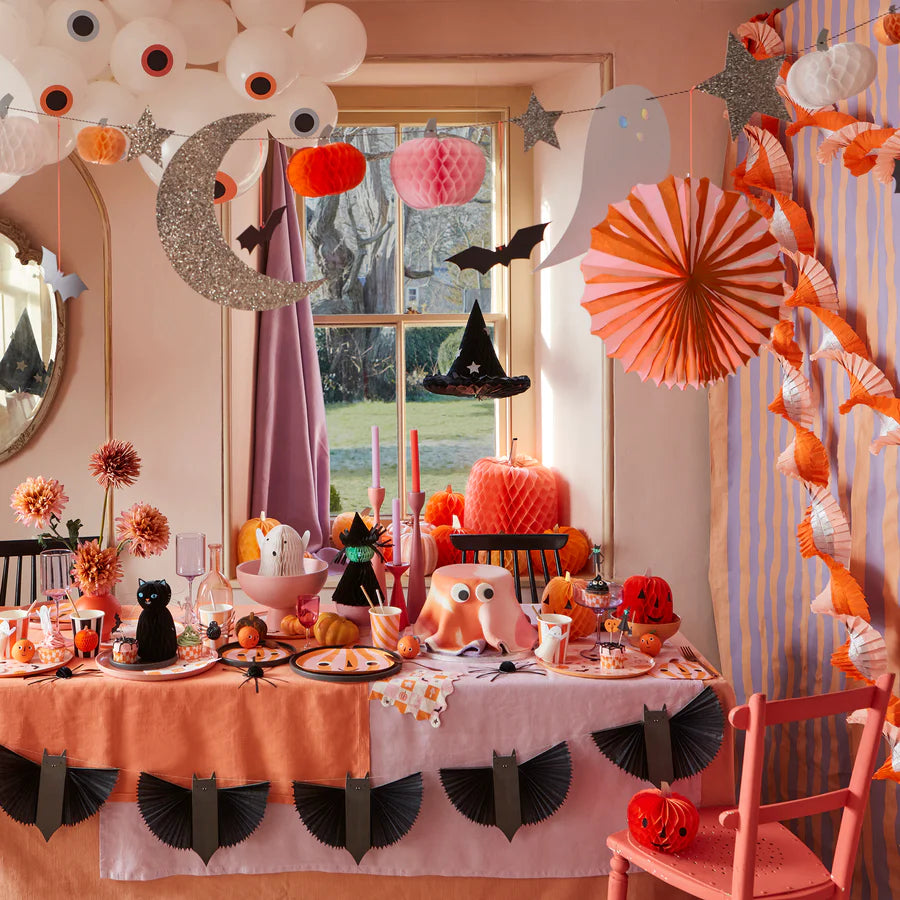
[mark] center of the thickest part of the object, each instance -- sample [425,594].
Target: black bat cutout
[520,246]
[67,286]
[252,237]
[665,748]
[510,794]
[358,816]
[201,818]
[50,794]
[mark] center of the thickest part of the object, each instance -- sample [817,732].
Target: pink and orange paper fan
[839,140]
[842,595]
[867,382]
[794,401]
[761,39]
[888,434]
[890,771]
[830,530]
[864,655]
[805,459]
[682,283]
[790,225]
[784,346]
[839,337]
[829,120]
[815,287]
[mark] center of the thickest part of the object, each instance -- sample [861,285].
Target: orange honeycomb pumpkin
[102,145]
[447,554]
[247,545]
[329,169]
[443,506]
[887,29]
[649,598]
[662,820]
[559,597]
[573,556]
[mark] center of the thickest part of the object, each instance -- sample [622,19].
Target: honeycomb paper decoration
[437,171]
[823,77]
[24,147]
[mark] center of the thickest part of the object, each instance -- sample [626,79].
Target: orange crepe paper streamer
[784,345]
[805,537]
[815,287]
[840,659]
[887,773]
[856,157]
[761,39]
[867,382]
[842,595]
[805,459]
[790,225]
[767,165]
[826,119]
[839,140]
[893,711]
[847,339]
[883,170]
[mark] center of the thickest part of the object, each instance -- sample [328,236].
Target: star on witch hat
[476,371]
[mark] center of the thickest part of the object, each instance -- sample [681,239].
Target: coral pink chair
[746,852]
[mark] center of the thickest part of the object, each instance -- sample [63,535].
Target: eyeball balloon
[208,26]
[33,15]
[145,52]
[260,62]
[213,99]
[279,13]
[15,42]
[302,111]
[57,83]
[129,10]
[330,42]
[82,28]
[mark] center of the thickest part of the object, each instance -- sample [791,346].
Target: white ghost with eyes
[504,624]
[627,144]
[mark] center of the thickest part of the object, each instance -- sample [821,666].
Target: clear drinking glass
[190,561]
[56,574]
[215,581]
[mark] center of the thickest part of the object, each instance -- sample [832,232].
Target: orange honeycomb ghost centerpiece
[473,606]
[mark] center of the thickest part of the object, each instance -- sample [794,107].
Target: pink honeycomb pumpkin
[437,171]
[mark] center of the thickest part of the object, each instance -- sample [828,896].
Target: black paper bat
[203,817]
[67,286]
[510,794]
[359,816]
[519,247]
[252,237]
[51,794]
[664,748]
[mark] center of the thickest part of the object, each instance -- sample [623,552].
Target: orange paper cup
[385,621]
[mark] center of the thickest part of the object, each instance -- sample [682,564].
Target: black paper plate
[346,664]
[234,654]
[142,667]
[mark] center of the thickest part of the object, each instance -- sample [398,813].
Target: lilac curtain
[291,477]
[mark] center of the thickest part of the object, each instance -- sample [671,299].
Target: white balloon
[140,9]
[109,100]
[208,26]
[260,62]
[330,41]
[147,52]
[279,13]
[57,83]
[82,28]
[14,83]
[302,111]
[211,98]
[15,42]
[33,14]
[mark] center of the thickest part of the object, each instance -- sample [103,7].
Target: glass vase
[214,581]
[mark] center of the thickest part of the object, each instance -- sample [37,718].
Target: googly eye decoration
[484,592]
[302,111]
[260,63]
[56,81]
[84,29]
[145,53]
[460,592]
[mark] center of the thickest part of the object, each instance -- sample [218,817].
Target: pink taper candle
[395,508]
[414,453]
[376,458]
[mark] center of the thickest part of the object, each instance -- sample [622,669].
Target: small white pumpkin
[429,550]
[281,551]
[822,77]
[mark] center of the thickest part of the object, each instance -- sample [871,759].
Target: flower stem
[103,515]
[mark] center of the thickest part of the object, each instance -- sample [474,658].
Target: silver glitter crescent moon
[190,233]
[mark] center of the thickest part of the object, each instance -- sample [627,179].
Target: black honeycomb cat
[156,637]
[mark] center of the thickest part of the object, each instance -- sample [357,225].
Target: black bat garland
[519,247]
[252,237]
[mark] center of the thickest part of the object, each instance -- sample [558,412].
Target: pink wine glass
[307,613]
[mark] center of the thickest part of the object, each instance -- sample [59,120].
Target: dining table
[437,712]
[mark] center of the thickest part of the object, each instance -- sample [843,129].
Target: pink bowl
[281,591]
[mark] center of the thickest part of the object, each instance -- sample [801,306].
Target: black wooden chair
[512,543]
[25,555]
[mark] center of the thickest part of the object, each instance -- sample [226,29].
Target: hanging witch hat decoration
[476,371]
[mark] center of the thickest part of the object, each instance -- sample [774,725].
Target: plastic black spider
[256,674]
[64,673]
[508,667]
[213,631]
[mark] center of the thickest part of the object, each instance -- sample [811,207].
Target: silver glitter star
[538,124]
[747,86]
[473,368]
[146,137]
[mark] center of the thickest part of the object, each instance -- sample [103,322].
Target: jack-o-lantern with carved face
[662,820]
[649,598]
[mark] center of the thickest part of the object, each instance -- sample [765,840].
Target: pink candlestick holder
[415,585]
[397,598]
[376,498]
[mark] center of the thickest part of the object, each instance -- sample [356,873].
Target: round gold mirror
[32,341]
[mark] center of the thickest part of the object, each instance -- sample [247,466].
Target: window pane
[351,238]
[430,284]
[453,431]
[359,382]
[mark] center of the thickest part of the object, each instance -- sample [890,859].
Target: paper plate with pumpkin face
[265,655]
[348,664]
[11,668]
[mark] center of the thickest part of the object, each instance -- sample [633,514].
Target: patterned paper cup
[15,629]
[385,622]
[553,631]
[223,615]
[82,620]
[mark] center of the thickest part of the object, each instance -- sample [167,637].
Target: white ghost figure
[281,551]
[627,144]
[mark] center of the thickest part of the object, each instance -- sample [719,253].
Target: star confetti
[538,124]
[146,138]
[747,86]
[67,286]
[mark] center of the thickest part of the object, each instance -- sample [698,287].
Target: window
[394,305]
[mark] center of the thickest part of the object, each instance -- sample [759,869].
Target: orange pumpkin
[559,597]
[650,644]
[86,640]
[443,506]
[332,630]
[516,495]
[573,556]
[429,550]
[409,646]
[342,523]
[101,144]
[329,169]
[649,598]
[662,820]
[23,651]
[248,637]
[887,29]
[247,546]
[447,554]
